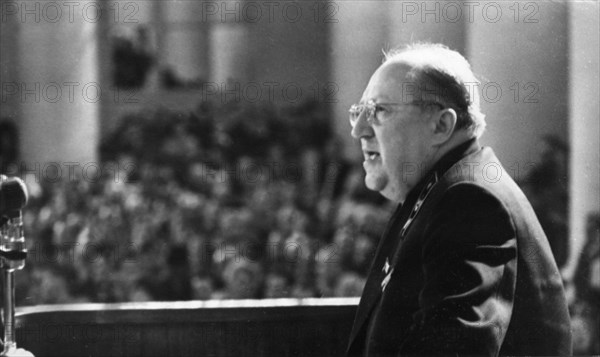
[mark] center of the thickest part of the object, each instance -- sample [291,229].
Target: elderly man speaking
[463,267]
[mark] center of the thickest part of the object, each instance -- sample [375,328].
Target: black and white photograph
[299,178]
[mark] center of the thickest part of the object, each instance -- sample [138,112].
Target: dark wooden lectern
[277,327]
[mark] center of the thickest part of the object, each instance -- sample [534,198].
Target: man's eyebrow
[365,100]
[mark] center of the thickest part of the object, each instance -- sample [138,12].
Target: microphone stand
[12,257]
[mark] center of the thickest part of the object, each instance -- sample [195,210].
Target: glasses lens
[355,111]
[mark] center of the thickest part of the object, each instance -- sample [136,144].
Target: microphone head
[13,194]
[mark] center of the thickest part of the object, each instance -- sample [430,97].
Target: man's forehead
[387,83]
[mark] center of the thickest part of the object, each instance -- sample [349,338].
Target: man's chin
[375,182]
[380,183]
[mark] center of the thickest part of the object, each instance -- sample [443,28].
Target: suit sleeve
[469,267]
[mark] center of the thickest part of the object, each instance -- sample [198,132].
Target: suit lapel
[372,289]
[388,252]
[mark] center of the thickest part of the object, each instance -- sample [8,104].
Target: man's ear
[443,125]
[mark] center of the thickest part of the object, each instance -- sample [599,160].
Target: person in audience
[277,285]
[328,269]
[350,284]
[243,279]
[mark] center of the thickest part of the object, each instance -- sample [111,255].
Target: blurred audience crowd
[229,201]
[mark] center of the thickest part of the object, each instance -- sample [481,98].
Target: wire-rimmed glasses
[373,109]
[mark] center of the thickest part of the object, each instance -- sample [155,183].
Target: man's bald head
[436,73]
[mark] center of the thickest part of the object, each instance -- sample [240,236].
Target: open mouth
[371,155]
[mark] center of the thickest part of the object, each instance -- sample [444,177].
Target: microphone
[13,251]
[13,196]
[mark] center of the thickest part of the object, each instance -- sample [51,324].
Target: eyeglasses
[374,110]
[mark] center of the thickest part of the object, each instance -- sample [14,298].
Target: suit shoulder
[473,206]
[467,215]
[482,167]
[470,196]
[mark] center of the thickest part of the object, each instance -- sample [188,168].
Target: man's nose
[361,128]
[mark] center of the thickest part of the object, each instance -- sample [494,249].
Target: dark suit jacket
[463,268]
